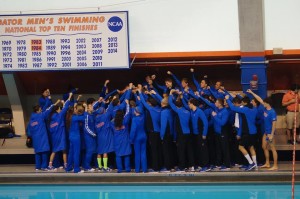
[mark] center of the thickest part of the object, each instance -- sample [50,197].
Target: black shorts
[248,140]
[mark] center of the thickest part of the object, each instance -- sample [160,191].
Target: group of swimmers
[164,127]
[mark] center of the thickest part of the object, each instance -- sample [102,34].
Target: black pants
[236,156]
[156,151]
[211,144]
[185,151]
[201,151]
[174,153]
[222,150]
[168,157]
[260,156]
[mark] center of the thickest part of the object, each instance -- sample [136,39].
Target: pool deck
[26,174]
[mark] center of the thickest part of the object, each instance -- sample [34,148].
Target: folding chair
[6,128]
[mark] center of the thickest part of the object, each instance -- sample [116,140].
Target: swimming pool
[178,191]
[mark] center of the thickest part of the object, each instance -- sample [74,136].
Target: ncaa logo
[115,24]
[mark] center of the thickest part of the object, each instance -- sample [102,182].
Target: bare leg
[266,152]
[51,159]
[245,153]
[243,150]
[275,157]
[65,158]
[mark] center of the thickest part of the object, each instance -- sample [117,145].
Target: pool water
[177,191]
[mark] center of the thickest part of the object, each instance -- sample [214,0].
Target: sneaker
[243,167]
[37,169]
[205,169]
[52,168]
[224,168]
[61,167]
[68,170]
[237,165]
[81,171]
[100,169]
[191,169]
[44,169]
[152,171]
[197,168]
[89,170]
[179,170]
[213,167]
[106,170]
[164,170]
[251,167]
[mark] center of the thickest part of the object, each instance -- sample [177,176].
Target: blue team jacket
[199,122]
[137,131]
[220,120]
[155,113]
[250,115]
[121,137]
[58,130]
[184,116]
[37,128]
[167,120]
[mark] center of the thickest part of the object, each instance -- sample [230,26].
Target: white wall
[282,27]
[156,25]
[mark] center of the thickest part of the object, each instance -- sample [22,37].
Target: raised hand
[78,97]
[106,82]
[152,92]
[57,102]
[130,85]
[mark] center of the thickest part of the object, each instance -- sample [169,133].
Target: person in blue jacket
[153,113]
[58,131]
[104,133]
[73,124]
[139,139]
[121,138]
[167,135]
[44,99]
[203,87]
[233,126]
[259,122]
[184,140]
[164,88]
[200,129]
[37,128]
[270,118]
[220,118]
[183,85]
[89,135]
[247,132]
[208,107]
